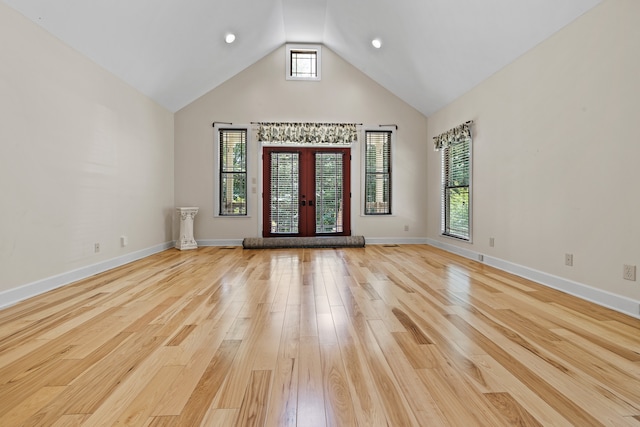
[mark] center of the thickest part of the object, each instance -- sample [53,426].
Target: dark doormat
[303,242]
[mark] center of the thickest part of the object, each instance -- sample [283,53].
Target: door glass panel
[329,209]
[284,187]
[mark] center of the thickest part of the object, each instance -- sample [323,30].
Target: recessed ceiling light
[229,38]
[376,43]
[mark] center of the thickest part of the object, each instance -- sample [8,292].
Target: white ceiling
[433,50]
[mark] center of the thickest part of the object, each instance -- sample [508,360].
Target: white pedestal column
[186,239]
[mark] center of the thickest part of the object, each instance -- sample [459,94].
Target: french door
[306,191]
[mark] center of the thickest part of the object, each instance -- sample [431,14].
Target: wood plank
[284,392]
[283,403]
[512,410]
[546,377]
[254,405]
[238,376]
[455,409]
[394,401]
[74,420]
[419,355]
[418,336]
[311,405]
[379,336]
[220,417]
[107,374]
[19,413]
[417,395]
[133,401]
[267,346]
[181,335]
[338,402]
[209,385]
[499,380]
[199,349]
[362,385]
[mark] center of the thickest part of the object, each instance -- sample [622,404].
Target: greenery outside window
[233,172]
[456,197]
[377,193]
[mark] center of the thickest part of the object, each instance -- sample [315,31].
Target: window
[303,62]
[456,179]
[377,180]
[233,172]
[329,192]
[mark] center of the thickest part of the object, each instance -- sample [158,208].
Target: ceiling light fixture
[229,38]
[376,43]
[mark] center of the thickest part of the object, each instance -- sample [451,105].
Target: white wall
[261,93]
[84,159]
[556,154]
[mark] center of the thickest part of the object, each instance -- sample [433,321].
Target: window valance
[307,133]
[453,136]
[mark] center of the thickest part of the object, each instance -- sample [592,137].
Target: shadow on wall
[171,225]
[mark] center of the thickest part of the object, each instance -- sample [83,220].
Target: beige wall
[556,152]
[261,93]
[84,159]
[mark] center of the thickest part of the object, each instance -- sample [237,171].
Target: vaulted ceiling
[432,51]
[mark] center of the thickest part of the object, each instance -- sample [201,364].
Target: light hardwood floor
[382,336]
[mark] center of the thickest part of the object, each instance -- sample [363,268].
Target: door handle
[310,202]
[303,203]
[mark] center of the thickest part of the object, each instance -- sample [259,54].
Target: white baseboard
[598,296]
[15,295]
[220,242]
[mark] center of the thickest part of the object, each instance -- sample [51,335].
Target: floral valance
[453,136]
[307,133]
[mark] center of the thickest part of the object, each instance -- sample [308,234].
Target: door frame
[309,159]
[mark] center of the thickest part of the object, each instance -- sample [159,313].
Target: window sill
[458,238]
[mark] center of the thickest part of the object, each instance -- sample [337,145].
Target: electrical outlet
[568,259]
[96,247]
[629,272]
[492,242]
[124,241]
[406,228]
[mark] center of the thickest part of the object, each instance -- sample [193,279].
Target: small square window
[303,62]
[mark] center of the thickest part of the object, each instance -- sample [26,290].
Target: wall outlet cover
[629,272]
[568,259]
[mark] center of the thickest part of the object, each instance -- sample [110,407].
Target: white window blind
[456,179]
[329,197]
[377,173]
[285,193]
[233,172]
